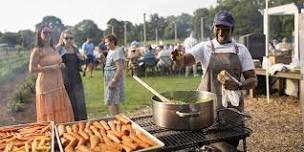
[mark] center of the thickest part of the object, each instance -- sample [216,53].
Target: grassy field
[137,96]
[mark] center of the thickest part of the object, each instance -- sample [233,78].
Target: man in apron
[222,53]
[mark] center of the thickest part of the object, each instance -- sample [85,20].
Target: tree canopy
[246,13]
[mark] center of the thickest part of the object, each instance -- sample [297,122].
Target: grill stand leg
[244,145]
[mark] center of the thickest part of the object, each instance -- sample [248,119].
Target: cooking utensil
[161,97]
[185,116]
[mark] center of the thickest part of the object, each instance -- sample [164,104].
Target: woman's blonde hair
[60,42]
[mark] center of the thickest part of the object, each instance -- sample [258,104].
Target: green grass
[136,96]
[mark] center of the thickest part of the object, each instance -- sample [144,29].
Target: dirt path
[277,126]
[7,89]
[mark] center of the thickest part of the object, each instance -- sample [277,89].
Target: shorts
[90,59]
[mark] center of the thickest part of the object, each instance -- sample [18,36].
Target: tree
[184,25]
[131,32]
[84,29]
[247,20]
[137,33]
[11,38]
[282,26]
[156,22]
[27,38]
[55,24]
[118,29]
[169,27]
[197,16]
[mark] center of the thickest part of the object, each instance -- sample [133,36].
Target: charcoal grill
[188,141]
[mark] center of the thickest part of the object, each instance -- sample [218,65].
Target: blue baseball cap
[223,18]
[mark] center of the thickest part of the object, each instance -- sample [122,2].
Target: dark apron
[73,85]
[232,64]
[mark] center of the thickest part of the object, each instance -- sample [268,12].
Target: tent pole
[266,32]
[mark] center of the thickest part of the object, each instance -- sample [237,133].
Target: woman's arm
[119,64]
[119,69]
[34,63]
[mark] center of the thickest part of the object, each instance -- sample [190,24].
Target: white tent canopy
[289,9]
[297,10]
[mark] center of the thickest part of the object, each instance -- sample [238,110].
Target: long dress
[52,101]
[73,84]
[115,95]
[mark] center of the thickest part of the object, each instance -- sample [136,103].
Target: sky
[24,14]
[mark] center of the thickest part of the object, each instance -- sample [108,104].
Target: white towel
[281,67]
[232,96]
[276,68]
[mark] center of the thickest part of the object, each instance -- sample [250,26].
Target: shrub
[23,95]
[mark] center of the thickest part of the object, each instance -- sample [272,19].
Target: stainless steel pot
[185,116]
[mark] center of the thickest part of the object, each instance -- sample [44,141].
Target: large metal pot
[185,116]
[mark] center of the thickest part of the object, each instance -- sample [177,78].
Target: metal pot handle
[246,115]
[187,114]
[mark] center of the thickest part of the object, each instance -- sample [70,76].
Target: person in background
[180,50]
[88,50]
[72,79]
[164,60]
[114,75]
[190,42]
[149,56]
[149,59]
[216,55]
[102,46]
[272,46]
[99,59]
[133,57]
[284,45]
[104,50]
[52,101]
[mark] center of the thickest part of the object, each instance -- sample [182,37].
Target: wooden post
[301,53]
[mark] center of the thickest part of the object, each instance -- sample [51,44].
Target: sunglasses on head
[68,38]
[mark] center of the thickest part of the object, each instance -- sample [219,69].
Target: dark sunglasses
[68,38]
[46,32]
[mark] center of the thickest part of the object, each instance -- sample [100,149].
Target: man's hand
[228,81]
[231,85]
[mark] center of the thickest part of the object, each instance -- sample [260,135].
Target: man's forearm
[249,83]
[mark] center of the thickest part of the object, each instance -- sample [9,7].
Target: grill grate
[177,140]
